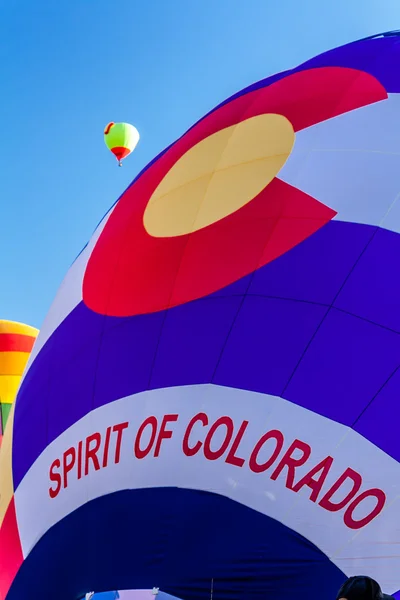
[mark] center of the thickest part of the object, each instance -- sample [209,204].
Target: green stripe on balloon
[5,411]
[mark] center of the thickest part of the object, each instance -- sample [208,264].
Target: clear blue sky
[70,66]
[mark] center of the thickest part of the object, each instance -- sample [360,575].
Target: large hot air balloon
[121,139]
[16,342]
[214,393]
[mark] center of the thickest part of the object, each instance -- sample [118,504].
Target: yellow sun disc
[219,175]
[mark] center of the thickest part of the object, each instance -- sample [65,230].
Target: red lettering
[80,444]
[164,434]
[315,484]
[120,428]
[91,453]
[214,454]
[229,442]
[139,453]
[348,474]
[348,515]
[56,478]
[231,458]
[106,447]
[274,434]
[191,451]
[292,463]
[68,464]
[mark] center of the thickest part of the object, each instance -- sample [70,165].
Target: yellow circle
[219,175]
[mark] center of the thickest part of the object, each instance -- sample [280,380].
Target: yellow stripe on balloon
[13,363]
[8,388]
[15,327]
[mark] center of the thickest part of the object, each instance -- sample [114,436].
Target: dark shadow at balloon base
[178,540]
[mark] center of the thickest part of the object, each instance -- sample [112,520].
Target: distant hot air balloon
[16,342]
[121,139]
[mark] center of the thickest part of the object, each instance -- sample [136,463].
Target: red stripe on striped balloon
[16,342]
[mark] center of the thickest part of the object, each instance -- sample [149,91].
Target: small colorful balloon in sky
[121,139]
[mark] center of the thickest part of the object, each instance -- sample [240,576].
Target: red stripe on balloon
[107,129]
[16,342]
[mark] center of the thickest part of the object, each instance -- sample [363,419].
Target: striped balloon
[16,342]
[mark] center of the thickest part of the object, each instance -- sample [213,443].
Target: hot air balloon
[121,139]
[214,393]
[16,342]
